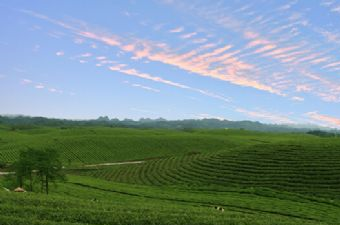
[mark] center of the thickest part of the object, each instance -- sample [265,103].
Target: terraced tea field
[257,178]
[293,168]
[90,201]
[85,145]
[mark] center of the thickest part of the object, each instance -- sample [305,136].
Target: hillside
[95,144]
[306,169]
[257,178]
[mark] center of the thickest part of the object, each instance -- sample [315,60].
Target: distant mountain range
[26,122]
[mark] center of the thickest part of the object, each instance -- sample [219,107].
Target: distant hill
[26,122]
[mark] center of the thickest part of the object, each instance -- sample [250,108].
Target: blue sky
[268,61]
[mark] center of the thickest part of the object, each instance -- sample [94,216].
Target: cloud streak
[278,41]
[145,88]
[122,68]
[213,64]
[176,30]
[41,86]
[231,66]
[226,67]
[329,120]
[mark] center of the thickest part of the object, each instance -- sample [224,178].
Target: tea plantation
[181,177]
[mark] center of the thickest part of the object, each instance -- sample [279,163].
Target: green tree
[49,168]
[44,164]
[24,167]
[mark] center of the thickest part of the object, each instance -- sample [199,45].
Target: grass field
[258,178]
[94,145]
[86,145]
[314,171]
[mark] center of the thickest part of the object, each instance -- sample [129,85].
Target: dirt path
[114,163]
[92,165]
[6,173]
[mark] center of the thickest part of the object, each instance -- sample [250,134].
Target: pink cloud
[201,63]
[111,40]
[292,54]
[265,48]
[122,68]
[257,42]
[128,48]
[40,86]
[307,58]
[250,35]
[320,60]
[274,118]
[329,120]
[176,30]
[332,65]
[227,67]
[188,35]
[277,52]
[303,88]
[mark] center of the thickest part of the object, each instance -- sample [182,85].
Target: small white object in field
[219,208]
[19,189]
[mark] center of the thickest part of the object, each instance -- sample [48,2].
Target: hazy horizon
[288,125]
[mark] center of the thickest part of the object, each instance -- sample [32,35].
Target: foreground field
[89,201]
[257,178]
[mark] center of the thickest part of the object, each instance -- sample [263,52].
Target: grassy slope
[116,203]
[259,178]
[97,144]
[310,169]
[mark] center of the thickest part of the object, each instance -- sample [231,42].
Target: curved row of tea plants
[97,144]
[295,168]
[89,201]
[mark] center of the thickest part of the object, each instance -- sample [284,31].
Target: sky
[269,61]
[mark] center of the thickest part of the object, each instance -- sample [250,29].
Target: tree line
[26,122]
